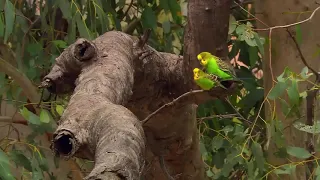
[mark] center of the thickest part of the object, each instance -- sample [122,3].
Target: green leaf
[298,34]
[71,31]
[280,78]
[34,49]
[2,4]
[148,18]
[82,28]
[209,173]
[284,107]
[104,21]
[293,93]
[251,42]
[22,22]
[59,109]
[56,161]
[286,169]
[232,24]
[253,55]
[5,173]
[121,3]
[277,90]
[9,12]
[42,160]
[60,44]
[37,173]
[202,148]
[228,129]
[317,171]
[164,4]
[20,159]
[175,11]
[305,73]
[258,155]
[1,26]
[29,116]
[259,43]
[241,29]
[217,143]
[218,159]
[65,8]
[250,169]
[166,27]
[314,129]
[298,152]
[45,116]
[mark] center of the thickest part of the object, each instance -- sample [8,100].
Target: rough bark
[119,73]
[206,30]
[285,54]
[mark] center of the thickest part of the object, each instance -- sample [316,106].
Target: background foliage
[234,132]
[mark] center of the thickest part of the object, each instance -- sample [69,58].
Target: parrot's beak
[199,57]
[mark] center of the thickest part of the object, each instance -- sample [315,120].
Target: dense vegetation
[234,133]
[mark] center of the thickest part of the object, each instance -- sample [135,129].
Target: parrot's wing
[211,77]
[225,66]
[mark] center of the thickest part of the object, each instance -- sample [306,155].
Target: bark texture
[285,54]
[117,82]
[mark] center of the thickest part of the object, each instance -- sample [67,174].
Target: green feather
[217,66]
[204,80]
[205,83]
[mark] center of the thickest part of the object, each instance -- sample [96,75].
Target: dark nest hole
[84,51]
[63,145]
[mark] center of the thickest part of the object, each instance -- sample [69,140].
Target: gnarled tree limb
[28,88]
[96,124]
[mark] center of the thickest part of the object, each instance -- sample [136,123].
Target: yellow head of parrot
[196,71]
[199,57]
[202,57]
[196,76]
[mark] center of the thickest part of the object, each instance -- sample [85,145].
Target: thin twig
[242,3]
[221,116]
[250,13]
[25,35]
[234,108]
[302,56]
[283,26]
[28,88]
[170,104]
[143,40]
[127,11]
[164,168]
[270,58]
[8,119]
[293,24]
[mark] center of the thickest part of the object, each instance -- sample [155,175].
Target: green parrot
[204,80]
[216,66]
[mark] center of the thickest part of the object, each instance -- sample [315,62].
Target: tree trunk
[117,70]
[285,54]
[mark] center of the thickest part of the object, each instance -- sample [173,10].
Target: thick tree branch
[94,124]
[28,88]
